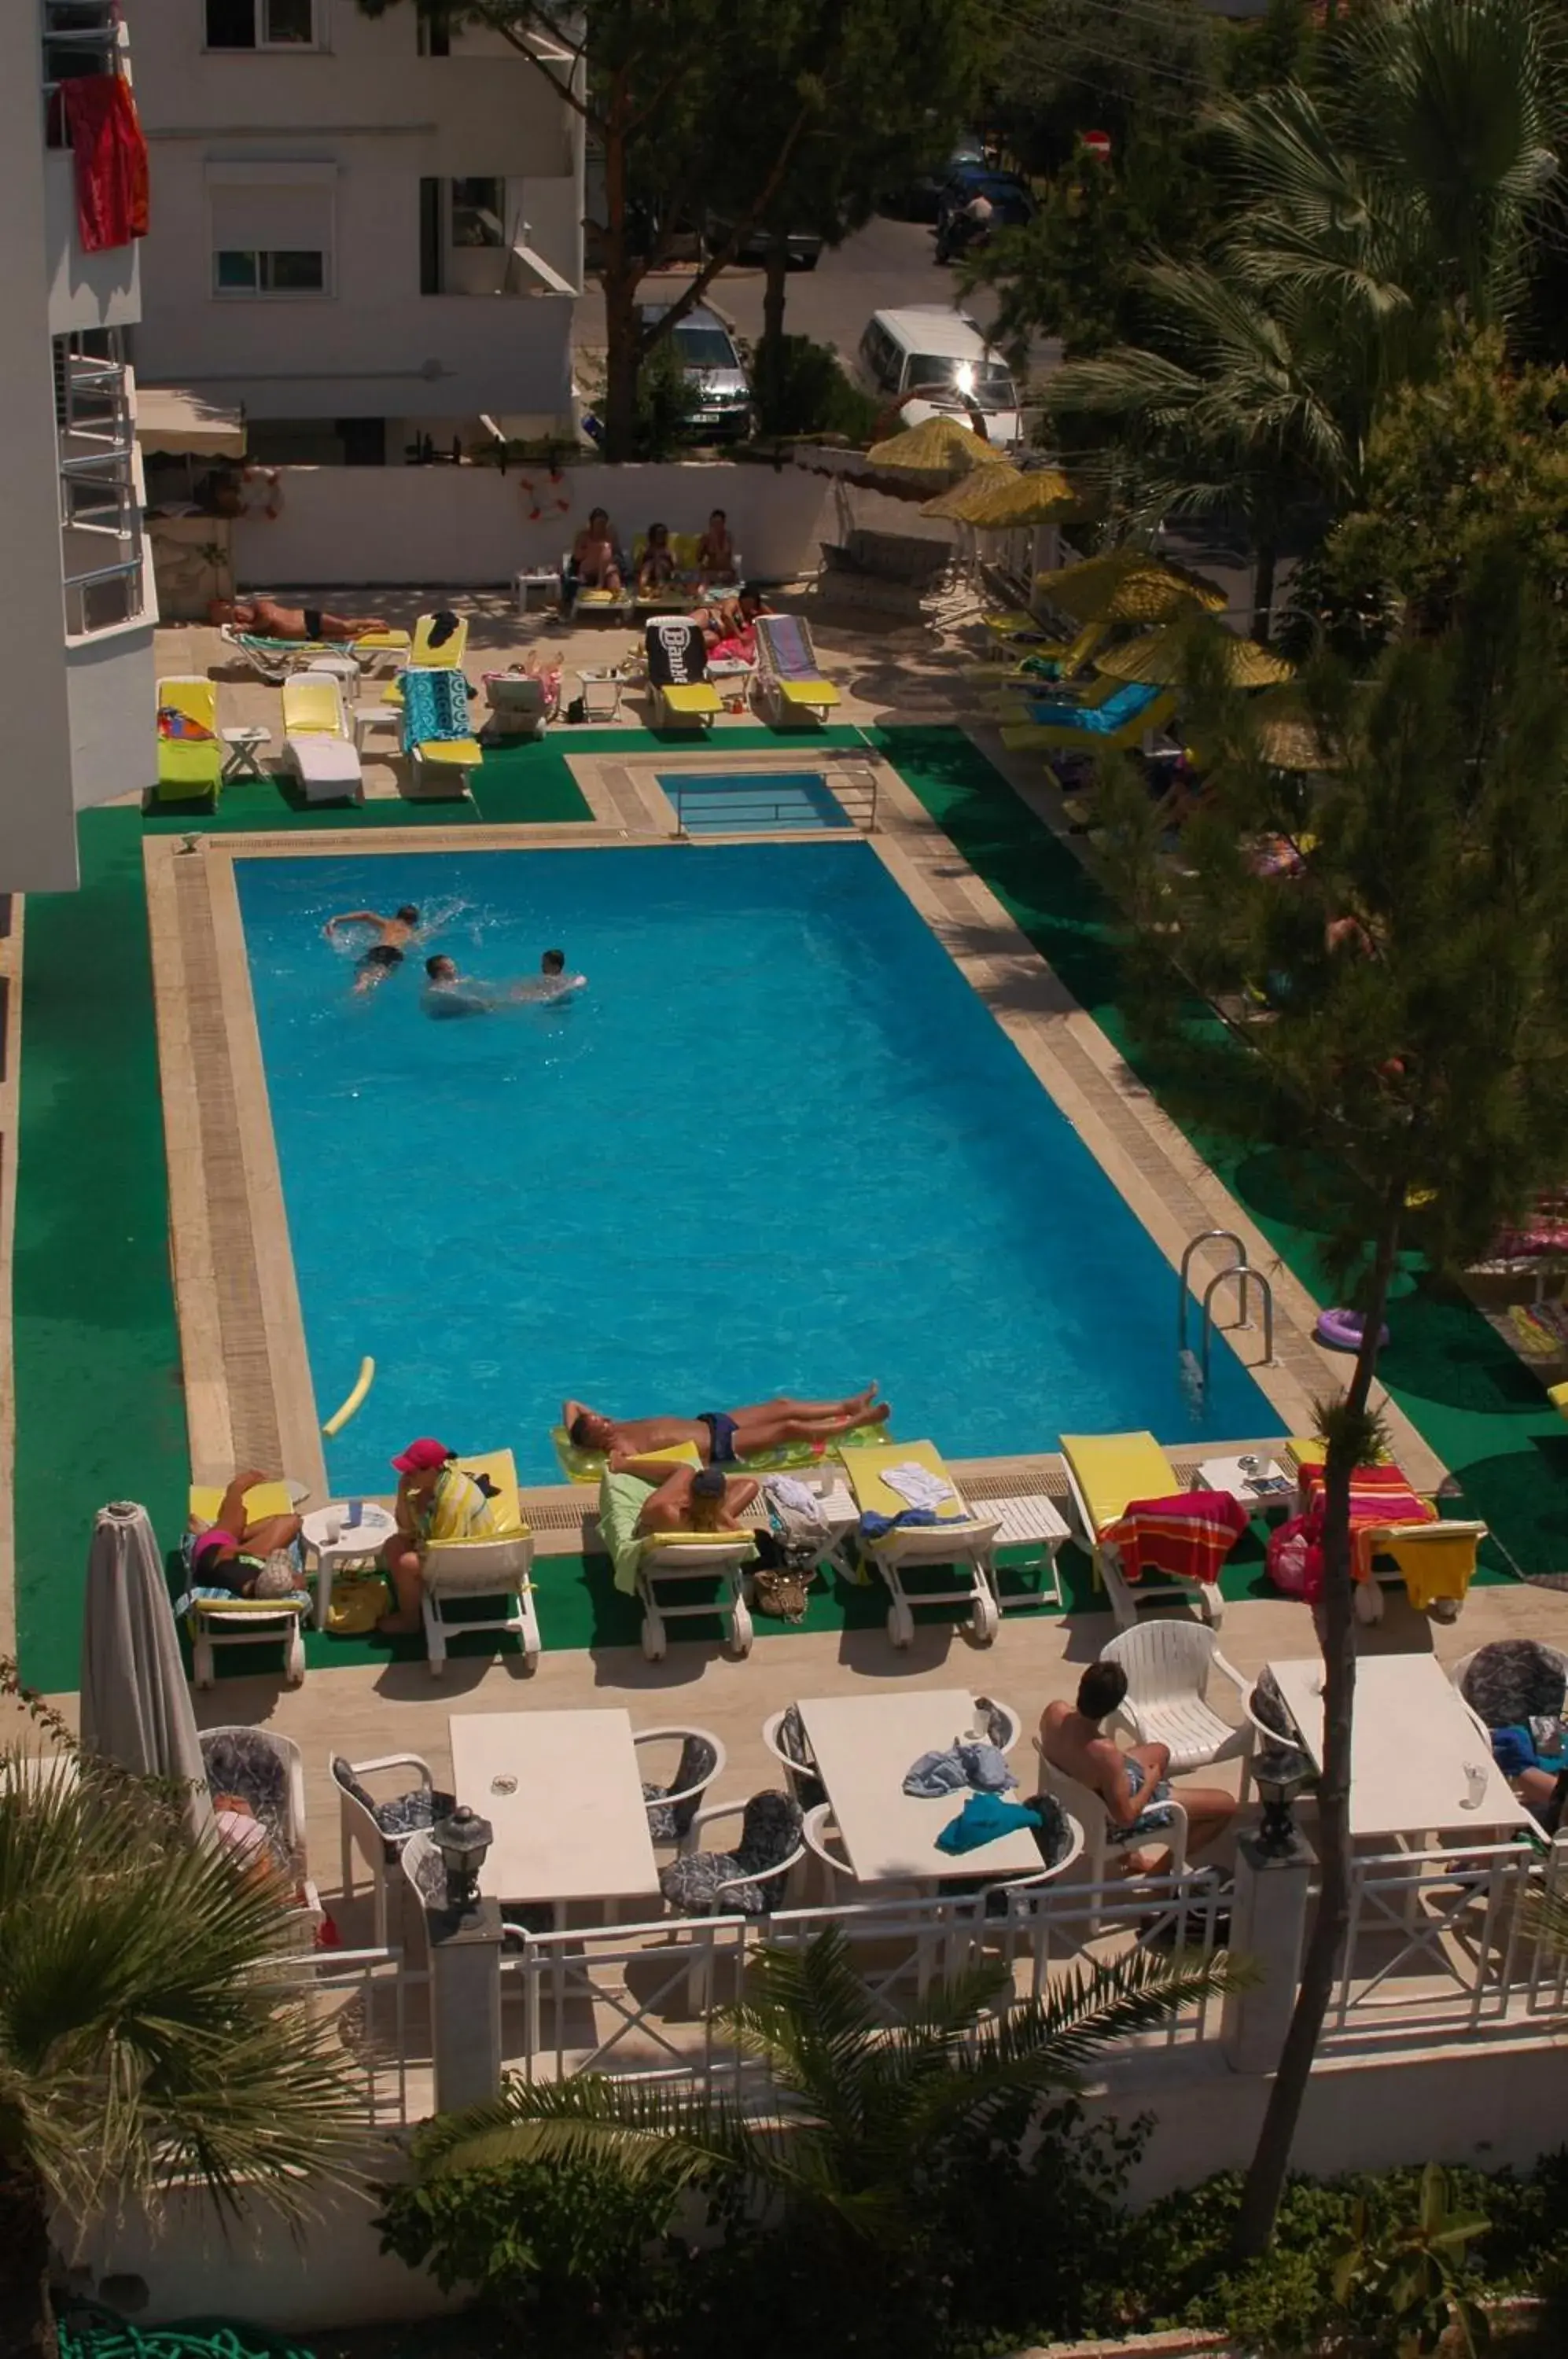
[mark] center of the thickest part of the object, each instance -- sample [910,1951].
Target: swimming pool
[731,802]
[778,1145]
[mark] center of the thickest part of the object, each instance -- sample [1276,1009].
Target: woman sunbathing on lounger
[656,570]
[716,550]
[260,618]
[720,1436]
[250,1557]
[691,1498]
[730,619]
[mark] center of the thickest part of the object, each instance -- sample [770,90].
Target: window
[989,383]
[434,34]
[261,24]
[477,213]
[705,348]
[279,270]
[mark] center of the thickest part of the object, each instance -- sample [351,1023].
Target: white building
[365,229]
[76,611]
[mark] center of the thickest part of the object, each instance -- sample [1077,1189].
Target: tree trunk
[26,2314]
[770,358]
[622,276]
[1263,571]
[1271,2159]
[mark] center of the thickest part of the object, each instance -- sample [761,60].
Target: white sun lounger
[1106,1472]
[959,1537]
[318,741]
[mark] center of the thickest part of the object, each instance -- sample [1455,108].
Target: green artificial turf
[99,1413]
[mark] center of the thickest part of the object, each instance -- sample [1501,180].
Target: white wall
[86,290]
[385,116]
[38,826]
[110,689]
[466,527]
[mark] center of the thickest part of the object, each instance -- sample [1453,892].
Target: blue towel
[1513,1750]
[435,705]
[967,1763]
[1097,719]
[873,1526]
[983,1819]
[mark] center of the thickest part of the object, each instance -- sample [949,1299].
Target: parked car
[1011,206]
[935,363]
[918,199]
[722,411]
[802,246]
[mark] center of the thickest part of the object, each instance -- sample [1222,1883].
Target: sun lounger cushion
[1113,1468]
[496,1472]
[701,697]
[621,1501]
[588,1465]
[866,1467]
[261,1499]
[323,760]
[451,753]
[808,691]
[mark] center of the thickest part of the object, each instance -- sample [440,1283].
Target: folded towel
[918,1485]
[799,1497]
[967,1762]
[983,1819]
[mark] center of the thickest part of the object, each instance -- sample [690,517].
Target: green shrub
[801,389]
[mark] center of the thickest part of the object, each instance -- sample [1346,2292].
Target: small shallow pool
[739,802]
[776,1144]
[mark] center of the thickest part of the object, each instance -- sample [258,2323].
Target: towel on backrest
[1379,1496]
[792,657]
[1187,1535]
[621,1498]
[435,706]
[1098,720]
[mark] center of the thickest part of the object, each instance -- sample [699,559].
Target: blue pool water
[778,1145]
[728,802]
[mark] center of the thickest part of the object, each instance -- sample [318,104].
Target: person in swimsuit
[263,618]
[554,983]
[720,1436]
[393,936]
[730,618]
[691,1498]
[249,1558]
[436,1501]
[594,564]
[1132,1785]
[656,570]
[716,550]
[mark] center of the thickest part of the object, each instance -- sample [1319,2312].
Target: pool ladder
[1241,1269]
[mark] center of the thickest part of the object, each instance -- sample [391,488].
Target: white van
[940,357]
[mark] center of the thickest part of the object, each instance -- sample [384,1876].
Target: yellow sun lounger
[642,1562]
[190,750]
[1106,1472]
[215,1621]
[958,1537]
[789,678]
[496,1565]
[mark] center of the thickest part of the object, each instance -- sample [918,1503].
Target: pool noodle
[340,1417]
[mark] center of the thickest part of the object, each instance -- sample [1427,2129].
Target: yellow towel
[1432,1568]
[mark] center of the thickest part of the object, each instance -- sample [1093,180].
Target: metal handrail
[1248,1277]
[1205,1237]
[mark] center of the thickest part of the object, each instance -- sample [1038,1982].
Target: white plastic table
[353,1544]
[1413,1742]
[1229,1474]
[244,745]
[541,577]
[864,1746]
[375,714]
[602,687]
[562,1792]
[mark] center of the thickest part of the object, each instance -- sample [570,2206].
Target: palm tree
[139,2046]
[859,2110]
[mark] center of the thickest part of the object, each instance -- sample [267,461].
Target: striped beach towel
[1379,1496]
[1186,1536]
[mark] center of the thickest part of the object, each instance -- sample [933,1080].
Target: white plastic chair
[360,1831]
[820,1833]
[1088,1809]
[1169,1665]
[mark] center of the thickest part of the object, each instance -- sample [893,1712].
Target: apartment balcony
[86,290]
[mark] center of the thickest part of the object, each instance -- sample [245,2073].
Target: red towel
[110,160]
[1188,1536]
[1379,1496]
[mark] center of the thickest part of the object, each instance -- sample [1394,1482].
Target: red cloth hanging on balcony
[111,154]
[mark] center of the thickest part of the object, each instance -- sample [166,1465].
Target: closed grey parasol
[135,1705]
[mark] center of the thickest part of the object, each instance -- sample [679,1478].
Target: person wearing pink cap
[436,1501]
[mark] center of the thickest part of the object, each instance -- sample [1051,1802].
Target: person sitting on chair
[716,550]
[689,1499]
[1132,1785]
[720,1436]
[263,618]
[594,563]
[436,1501]
[656,570]
[252,1557]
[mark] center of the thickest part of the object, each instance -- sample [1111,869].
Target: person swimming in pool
[719,1436]
[393,938]
[449,992]
[554,983]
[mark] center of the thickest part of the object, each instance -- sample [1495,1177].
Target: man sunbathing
[252,1557]
[263,618]
[1132,1785]
[690,1499]
[729,621]
[720,1436]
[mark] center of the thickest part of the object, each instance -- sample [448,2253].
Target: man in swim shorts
[263,618]
[393,935]
[1132,1785]
[554,983]
[252,1559]
[719,1436]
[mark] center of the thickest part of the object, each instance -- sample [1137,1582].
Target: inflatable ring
[363,1383]
[556,502]
[1341,1331]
